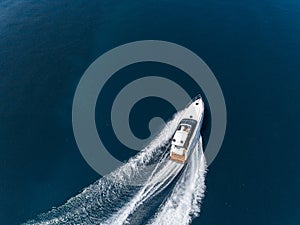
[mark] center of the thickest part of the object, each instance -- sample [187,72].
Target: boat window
[184,128]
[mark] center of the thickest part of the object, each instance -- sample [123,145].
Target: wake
[148,189]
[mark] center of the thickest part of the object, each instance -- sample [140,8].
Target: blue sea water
[251,46]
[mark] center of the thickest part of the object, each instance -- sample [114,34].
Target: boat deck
[178,158]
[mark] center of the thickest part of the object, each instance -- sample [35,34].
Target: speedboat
[188,131]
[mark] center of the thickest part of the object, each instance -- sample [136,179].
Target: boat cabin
[181,135]
[180,142]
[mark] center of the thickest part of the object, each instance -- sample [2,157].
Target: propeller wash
[163,184]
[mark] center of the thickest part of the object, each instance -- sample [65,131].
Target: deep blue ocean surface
[251,46]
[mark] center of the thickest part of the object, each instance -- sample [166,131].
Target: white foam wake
[184,201]
[161,177]
[147,182]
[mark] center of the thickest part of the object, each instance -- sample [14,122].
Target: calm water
[251,46]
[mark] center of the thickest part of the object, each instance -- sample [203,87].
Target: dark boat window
[184,127]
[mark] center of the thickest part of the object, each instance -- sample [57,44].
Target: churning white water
[148,189]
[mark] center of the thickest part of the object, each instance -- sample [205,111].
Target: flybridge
[184,136]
